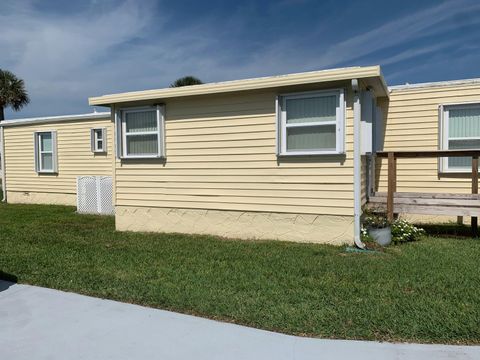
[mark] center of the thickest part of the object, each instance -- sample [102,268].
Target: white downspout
[357,164]
[2,154]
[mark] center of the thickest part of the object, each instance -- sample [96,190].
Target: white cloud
[121,46]
[399,31]
[56,55]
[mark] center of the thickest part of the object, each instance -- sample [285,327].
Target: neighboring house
[44,156]
[287,157]
[430,118]
[441,115]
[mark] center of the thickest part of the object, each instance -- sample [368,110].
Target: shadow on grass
[7,280]
[448,230]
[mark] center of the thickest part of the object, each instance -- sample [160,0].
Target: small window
[99,140]
[142,133]
[461,130]
[311,123]
[45,151]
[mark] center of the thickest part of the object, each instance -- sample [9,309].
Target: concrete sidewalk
[39,323]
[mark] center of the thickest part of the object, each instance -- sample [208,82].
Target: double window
[45,151]
[99,140]
[311,123]
[460,130]
[141,132]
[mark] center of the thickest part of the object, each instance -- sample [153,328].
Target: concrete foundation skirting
[20,197]
[325,229]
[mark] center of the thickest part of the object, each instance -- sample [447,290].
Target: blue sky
[67,51]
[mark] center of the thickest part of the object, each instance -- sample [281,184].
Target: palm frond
[12,91]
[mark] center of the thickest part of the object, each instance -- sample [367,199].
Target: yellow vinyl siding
[413,124]
[221,154]
[74,156]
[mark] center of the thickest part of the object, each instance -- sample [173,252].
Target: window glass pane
[141,121]
[142,144]
[47,161]
[462,162]
[314,109]
[99,144]
[98,134]
[464,122]
[46,141]
[311,138]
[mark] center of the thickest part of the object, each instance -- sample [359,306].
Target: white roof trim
[435,84]
[52,119]
[278,81]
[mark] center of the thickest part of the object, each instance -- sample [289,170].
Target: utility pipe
[2,154]
[357,164]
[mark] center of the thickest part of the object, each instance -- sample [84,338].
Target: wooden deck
[393,202]
[431,204]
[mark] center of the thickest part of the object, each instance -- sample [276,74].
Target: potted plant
[378,227]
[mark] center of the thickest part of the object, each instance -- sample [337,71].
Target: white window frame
[444,137]
[160,132]
[38,152]
[95,140]
[282,122]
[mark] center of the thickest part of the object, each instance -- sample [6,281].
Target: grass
[427,291]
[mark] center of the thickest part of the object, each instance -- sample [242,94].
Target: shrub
[375,220]
[403,231]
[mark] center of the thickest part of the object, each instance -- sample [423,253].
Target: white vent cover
[94,195]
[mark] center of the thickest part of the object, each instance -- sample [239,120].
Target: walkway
[39,323]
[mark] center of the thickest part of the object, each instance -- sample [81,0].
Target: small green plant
[364,235]
[403,231]
[374,220]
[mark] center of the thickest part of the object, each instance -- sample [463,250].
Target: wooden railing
[392,157]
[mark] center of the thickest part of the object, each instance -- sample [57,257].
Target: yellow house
[422,121]
[432,116]
[268,158]
[292,157]
[43,157]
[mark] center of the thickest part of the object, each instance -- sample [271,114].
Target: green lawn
[427,291]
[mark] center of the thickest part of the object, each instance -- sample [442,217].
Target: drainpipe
[357,164]
[2,154]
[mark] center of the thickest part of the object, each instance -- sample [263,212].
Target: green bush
[403,231]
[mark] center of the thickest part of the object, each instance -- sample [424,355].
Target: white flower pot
[382,236]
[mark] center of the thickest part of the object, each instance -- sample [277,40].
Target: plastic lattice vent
[95,195]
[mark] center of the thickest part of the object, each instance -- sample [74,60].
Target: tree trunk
[2,114]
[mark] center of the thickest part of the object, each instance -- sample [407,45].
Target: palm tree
[12,92]
[185,81]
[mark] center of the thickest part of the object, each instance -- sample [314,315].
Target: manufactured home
[44,157]
[294,157]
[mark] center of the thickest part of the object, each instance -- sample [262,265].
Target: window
[45,151]
[311,123]
[99,140]
[460,130]
[142,133]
